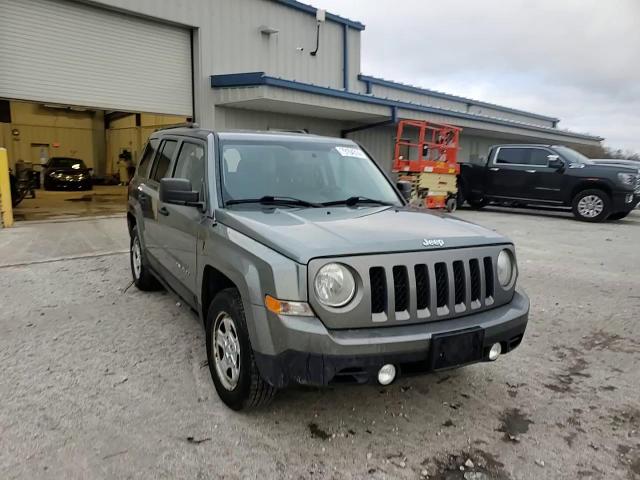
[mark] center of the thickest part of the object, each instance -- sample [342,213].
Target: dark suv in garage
[551,176]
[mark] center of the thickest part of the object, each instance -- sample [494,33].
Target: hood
[621,165]
[68,170]
[305,233]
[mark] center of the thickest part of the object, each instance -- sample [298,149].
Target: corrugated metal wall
[452,104]
[62,52]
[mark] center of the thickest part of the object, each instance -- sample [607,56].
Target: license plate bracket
[456,348]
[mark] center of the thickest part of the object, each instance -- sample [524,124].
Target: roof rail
[289,130]
[178,125]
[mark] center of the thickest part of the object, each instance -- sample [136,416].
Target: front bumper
[62,184]
[624,201]
[306,352]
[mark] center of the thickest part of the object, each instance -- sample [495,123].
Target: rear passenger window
[161,166]
[147,156]
[190,165]
[512,156]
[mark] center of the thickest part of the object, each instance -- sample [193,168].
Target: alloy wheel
[590,206]
[226,347]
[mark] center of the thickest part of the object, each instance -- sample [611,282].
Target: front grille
[440,289]
[416,286]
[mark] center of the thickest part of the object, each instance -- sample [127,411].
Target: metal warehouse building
[117,69]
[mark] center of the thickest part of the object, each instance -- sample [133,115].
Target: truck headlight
[627,178]
[506,267]
[334,285]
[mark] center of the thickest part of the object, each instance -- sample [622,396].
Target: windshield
[314,172]
[572,155]
[73,163]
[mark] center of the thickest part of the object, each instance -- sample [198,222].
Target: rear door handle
[530,171]
[494,169]
[163,211]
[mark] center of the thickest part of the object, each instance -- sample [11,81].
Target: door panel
[181,224]
[544,183]
[153,232]
[506,174]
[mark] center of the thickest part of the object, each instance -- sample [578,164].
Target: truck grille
[416,287]
[468,290]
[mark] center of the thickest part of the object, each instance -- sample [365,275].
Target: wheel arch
[588,185]
[213,282]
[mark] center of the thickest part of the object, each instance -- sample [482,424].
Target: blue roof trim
[255,79]
[432,93]
[303,7]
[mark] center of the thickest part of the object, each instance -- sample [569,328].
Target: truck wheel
[592,205]
[231,362]
[477,204]
[142,277]
[619,215]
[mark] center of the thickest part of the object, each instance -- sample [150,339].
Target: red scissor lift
[426,154]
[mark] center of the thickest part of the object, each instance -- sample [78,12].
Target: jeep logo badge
[433,242]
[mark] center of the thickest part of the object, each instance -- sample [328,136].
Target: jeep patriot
[306,265]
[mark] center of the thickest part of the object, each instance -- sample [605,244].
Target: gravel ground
[99,380]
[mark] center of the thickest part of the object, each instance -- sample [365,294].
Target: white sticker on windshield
[351,152]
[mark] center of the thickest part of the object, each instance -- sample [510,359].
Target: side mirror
[405,189]
[554,161]
[178,191]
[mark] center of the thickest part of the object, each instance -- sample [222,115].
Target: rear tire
[591,205]
[231,362]
[619,215]
[142,277]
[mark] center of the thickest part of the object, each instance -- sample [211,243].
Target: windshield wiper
[352,201]
[271,200]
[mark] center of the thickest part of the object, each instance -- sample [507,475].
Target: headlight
[334,285]
[506,268]
[627,178]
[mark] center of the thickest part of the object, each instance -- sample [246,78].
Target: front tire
[592,205]
[231,362]
[142,277]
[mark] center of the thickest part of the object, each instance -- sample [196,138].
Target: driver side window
[190,165]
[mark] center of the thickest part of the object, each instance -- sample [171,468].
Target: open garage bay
[100,380]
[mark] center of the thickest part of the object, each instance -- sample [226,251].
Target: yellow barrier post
[5,190]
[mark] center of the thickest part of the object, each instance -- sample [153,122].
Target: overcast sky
[578,60]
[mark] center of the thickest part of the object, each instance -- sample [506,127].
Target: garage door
[65,52]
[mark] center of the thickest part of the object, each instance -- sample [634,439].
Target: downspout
[345,57]
[392,121]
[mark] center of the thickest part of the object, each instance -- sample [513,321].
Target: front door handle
[163,211]
[530,171]
[494,169]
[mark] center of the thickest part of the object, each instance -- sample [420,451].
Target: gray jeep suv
[306,265]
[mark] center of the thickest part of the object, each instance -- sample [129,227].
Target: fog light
[387,374]
[496,350]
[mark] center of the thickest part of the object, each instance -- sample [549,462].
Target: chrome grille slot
[476,287]
[422,287]
[488,279]
[442,286]
[378,281]
[459,282]
[401,291]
